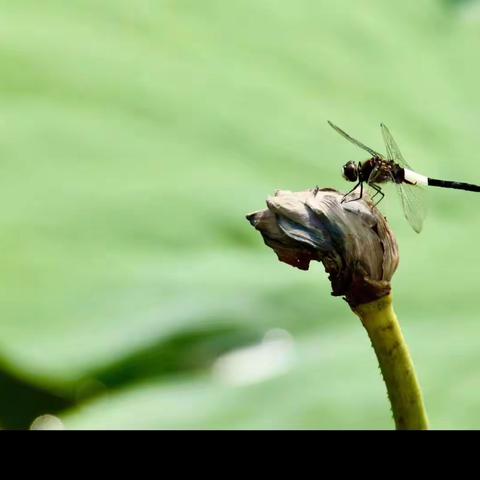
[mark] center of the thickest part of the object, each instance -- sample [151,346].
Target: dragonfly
[392,168]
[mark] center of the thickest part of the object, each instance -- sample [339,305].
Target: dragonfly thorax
[378,170]
[360,172]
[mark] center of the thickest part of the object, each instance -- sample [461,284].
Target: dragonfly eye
[350,172]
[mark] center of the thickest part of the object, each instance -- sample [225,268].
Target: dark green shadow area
[189,351]
[192,351]
[21,403]
[457,3]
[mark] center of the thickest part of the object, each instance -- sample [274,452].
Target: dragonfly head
[350,171]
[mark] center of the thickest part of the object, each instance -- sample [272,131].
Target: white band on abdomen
[415,178]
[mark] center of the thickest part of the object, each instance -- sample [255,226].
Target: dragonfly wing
[413,203]
[412,196]
[393,152]
[372,152]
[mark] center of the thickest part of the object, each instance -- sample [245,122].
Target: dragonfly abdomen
[414,178]
[470,187]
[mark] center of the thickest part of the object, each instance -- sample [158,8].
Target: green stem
[397,368]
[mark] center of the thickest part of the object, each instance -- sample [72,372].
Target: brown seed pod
[352,239]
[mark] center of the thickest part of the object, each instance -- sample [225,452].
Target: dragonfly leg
[353,189]
[378,191]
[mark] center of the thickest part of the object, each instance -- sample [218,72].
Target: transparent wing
[413,197]
[413,203]
[393,152]
[372,152]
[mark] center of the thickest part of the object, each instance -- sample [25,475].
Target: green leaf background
[134,138]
